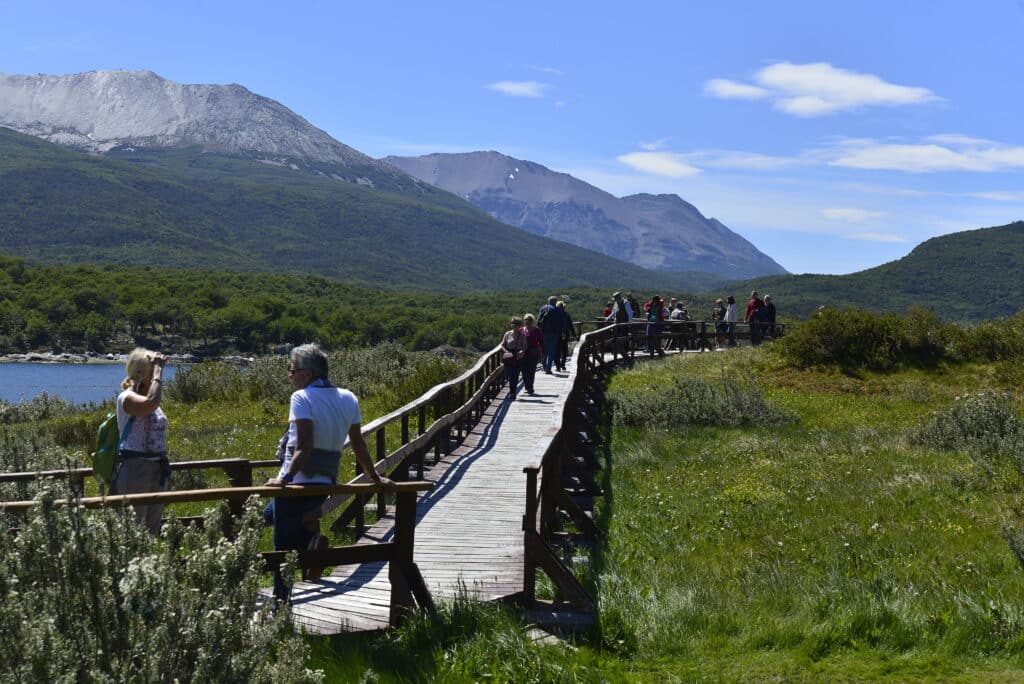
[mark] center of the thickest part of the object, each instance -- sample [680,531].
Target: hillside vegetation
[183,208]
[113,308]
[968,276]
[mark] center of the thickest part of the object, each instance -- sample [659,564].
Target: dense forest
[113,308]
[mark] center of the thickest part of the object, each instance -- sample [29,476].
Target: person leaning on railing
[319,417]
[141,464]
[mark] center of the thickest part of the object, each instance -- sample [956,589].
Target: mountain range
[148,121]
[654,231]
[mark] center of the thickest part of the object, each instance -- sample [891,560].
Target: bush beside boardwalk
[838,542]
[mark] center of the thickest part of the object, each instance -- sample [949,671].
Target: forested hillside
[184,208]
[112,308]
[968,276]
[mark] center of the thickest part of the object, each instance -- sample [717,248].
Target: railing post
[382,453]
[239,475]
[530,528]
[400,566]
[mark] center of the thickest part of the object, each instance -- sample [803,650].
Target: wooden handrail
[224,493]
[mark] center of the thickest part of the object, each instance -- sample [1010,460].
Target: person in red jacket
[534,351]
[655,321]
[755,307]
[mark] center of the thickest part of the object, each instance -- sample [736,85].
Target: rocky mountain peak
[102,110]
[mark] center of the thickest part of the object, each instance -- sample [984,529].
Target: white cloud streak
[519,88]
[659,164]
[816,89]
[850,214]
[877,237]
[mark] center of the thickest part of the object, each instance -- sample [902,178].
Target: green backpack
[108,443]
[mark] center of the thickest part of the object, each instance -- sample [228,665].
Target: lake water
[78,383]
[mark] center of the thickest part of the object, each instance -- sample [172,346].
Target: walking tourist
[718,317]
[319,418]
[655,320]
[141,464]
[731,318]
[769,315]
[513,348]
[753,317]
[551,321]
[534,351]
[568,334]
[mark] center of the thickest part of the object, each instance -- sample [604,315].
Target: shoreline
[112,359]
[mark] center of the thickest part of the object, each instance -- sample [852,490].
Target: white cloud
[654,146]
[819,88]
[751,161]
[519,88]
[560,103]
[877,237]
[849,214]
[930,157]
[551,70]
[999,196]
[659,163]
[958,140]
[731,90]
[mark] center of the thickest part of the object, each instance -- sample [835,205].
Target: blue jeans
[550,349]
[290,532]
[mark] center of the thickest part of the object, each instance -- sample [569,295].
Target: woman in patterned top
[142,464]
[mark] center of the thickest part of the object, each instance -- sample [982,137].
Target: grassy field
[812,531]
[764,523]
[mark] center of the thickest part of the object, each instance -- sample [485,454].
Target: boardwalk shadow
[448,480]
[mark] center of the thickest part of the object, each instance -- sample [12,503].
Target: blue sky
[834,136]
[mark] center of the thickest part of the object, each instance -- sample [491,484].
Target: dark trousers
[512,375]
[563,351]
[290,532]
[550,349]
[528,366]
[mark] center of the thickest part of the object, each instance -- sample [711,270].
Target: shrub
[28,451]
[845,337]
[39,408]
[983,424]
[93,597]
[695,401]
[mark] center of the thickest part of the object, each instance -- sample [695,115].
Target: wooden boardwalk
[469,529]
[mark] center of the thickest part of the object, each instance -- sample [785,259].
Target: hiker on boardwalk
[534,351]
[753,315]
[655,321]
[513,349]
[769,315]
[718,318]
[731,318]
[568,334]
[320,416]
[552,322]
[621,315]
[141,464]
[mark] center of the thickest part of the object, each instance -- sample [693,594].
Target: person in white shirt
[320,416]
[732,316]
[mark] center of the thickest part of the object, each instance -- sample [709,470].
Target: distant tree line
[112,308]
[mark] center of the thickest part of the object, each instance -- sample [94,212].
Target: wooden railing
[408,589]
[693,335]
[563,468]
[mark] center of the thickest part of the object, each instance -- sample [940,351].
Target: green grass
[834,547]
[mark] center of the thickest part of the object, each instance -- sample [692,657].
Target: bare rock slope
[102,110]
[654,231]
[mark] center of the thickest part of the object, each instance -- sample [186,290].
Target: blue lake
[78,383]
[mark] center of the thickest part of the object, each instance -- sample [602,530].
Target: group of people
[760,314]
[542,339]
[320,417]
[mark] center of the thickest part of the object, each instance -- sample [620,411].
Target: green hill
[967,276]
[183,208]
